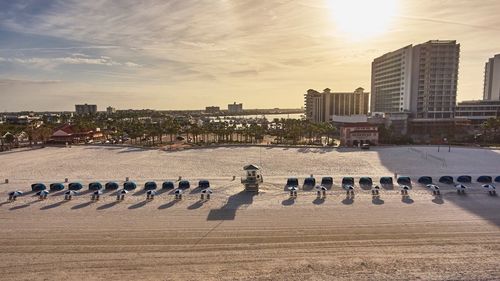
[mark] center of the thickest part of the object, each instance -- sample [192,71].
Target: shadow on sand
[55,205]
[234,202]
[438,200]
[168,205]
[19,207]
[139,205]
[318,201]
[377,201]
[288,202]
[348,200]
[82,205]
[407,199]
[196,205]
[107,206]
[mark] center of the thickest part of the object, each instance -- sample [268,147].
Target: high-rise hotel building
[321,107]
[492,79]
[391,81]
[420,80]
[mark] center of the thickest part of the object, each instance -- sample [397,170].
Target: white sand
[237,236]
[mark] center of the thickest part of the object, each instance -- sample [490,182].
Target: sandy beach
[243,236]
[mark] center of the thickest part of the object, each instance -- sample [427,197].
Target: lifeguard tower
[253,178]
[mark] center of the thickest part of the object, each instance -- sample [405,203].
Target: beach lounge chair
[111,185]
[150,185]
[327,181]
[203,184]
[167,185]
[292,182]
[425,180]
[184,184]
[404,180]
[484,179]
[446,179]
[310,181]
[38,187]
[75,186]
[95,186]
[56,186]
[129,185]
[386,180]
[464,179]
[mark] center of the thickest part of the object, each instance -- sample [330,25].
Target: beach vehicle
[38,187]
[386,180]
[56,186]
[446,179]
[460,188]
[310,182]
[484,179]
[327,181]
[184,184]
[425,180]
[492,190]
[404,180]
[150,185]
[42,194]
[167,185]
[111,185]
[464,179]
[95,186]
[253,178]
[14,194]
[434,188]
[404,189]
[129,185]
[75,186]
[292,182]
[365,181]
[203,184]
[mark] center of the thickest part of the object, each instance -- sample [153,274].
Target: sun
[361,19]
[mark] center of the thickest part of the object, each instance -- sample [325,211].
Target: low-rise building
[212,109]
[355,134]
[85,109]
[235,108]
[70,134]
[478,111]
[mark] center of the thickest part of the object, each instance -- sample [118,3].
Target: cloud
[10,82]
[81,59]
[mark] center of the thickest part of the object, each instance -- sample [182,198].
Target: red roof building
[70,134]
[356,134]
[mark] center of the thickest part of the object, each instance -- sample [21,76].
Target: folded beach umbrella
[433,187]
[71,192]
[489,186]
[404,187]
[42,192]
[16,193]
[209,190]
[151,192]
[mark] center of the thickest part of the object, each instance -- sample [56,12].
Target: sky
[188,54]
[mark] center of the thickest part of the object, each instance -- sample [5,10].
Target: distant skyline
[186,54]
